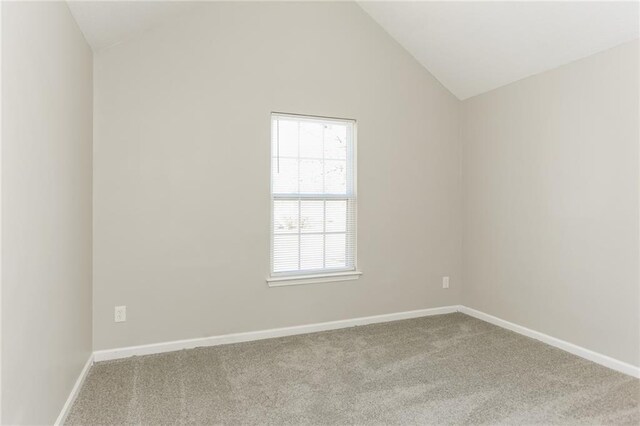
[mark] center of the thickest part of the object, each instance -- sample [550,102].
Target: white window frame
[279,279]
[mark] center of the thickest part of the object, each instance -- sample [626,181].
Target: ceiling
[105,23]
[474,47]
[470,47]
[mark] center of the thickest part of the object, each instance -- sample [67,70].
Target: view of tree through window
[313,195]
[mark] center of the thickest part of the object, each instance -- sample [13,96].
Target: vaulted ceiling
[105,23]
[470,47]
[474,47]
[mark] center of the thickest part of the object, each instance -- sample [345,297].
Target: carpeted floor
[446,369]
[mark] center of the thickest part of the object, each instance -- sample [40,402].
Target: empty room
[320,212]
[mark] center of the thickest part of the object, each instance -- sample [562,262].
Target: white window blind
[313,195]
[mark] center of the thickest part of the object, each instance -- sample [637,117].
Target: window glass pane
[312,216]
[311,252]
[335,179]
[335,141]
[287,144]
[336,216]
[311,139]
[285,180]
[336,247]
[310,176]
[285,253]
[285,217]
[312,232]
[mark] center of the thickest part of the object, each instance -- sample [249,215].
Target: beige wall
[181,171]
[551,203]
[46,209]
[181,189]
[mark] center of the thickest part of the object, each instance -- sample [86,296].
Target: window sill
[312,279]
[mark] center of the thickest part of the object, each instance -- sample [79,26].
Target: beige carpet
[447,369]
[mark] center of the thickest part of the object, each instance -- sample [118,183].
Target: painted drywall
[46,209]
[182,170]
[550,170]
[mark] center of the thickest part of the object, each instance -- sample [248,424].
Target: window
[313,199]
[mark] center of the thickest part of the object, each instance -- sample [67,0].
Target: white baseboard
[156,348]
[74,392]
[596,357]
[177,345]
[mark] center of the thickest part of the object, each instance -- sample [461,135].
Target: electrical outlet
[445,282]
[120,314]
